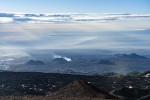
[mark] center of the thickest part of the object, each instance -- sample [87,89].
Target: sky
[75,6]
[73,24]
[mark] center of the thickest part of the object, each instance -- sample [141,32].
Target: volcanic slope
[81,89]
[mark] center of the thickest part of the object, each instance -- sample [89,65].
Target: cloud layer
[20,32]
[67,18]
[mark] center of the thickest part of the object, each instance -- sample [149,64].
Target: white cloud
[5,20]
[65,58]
[22,31]
[67,18]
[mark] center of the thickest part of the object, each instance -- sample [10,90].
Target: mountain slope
[80,88]
[105,62]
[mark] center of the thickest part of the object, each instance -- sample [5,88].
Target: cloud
[4,63]
[125,40]
[5,20]
[67,18]
[21,31]
[64,57]
[22,19]
[9,59]
[7,15]
[13,52]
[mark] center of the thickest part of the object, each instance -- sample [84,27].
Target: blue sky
[75,6]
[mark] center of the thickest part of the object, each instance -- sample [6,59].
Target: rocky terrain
[53,86]
[81,89]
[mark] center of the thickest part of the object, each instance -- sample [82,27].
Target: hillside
[80,88]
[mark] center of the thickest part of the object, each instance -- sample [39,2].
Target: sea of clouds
[66,18]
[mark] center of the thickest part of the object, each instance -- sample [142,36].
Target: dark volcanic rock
[80,88]
[131,92]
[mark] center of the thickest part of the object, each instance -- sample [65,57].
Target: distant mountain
[33,62]
[99,61]
[80,88]
[113,74]
[134,74]
[59,60]
[4,71]
[130,56]
[92,64]
[71,72]
[105,62]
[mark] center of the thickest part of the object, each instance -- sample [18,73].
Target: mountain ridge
[34,62]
